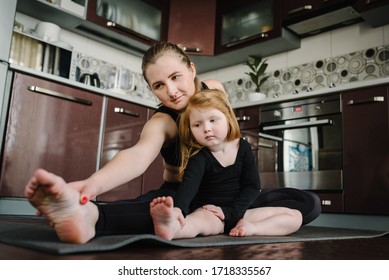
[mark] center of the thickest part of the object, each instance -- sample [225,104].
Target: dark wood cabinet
[374,12]
[247,22]
[192,24]
[122,127]
[366,151]
[134,25]
[248,119]
[50,126]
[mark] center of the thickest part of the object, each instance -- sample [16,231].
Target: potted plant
[257,76]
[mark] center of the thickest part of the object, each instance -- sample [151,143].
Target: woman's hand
[86,191]
[216,210]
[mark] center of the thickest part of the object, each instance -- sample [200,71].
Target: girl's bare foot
[167,219]
[60,204]
[242,228]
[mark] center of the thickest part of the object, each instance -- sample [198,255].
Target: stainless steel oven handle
[266,146]
[271,137]
[366,101]
[298,125]
[59,95]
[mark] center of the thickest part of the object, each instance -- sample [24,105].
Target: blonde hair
[160,49]
[207,98]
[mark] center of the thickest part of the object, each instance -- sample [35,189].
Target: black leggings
[133,216]
[308,203]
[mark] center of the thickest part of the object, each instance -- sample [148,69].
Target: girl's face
[209,126]
[172,81]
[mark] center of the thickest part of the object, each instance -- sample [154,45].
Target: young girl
[220,180]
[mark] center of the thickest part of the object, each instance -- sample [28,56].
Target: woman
[172,77]
[220,180]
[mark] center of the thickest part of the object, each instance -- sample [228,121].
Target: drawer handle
[300,9]
[126,112]
[59,95]
[326,202]
[366,101]
[243,119]
[195,50]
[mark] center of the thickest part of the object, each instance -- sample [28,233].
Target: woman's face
[171,81]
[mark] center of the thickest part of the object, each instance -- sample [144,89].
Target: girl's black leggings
[133,216]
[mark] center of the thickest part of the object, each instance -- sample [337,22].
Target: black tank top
[171,153]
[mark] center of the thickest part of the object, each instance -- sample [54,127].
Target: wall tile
[355,37]
[312,48]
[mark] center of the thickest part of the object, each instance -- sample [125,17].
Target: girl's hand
[216,210]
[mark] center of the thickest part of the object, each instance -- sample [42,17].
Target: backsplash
[131,83]
[366,64]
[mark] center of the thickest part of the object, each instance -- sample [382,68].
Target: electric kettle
[90,79]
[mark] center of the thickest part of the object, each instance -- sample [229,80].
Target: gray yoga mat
[43,238]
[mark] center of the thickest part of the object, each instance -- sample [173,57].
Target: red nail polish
[84,200]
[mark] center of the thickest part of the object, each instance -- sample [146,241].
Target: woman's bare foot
[242,228]
[60,204]
[167,219]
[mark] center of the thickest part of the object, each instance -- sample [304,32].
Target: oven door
[303,153]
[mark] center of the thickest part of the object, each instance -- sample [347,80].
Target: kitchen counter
[140,101]
[46,76]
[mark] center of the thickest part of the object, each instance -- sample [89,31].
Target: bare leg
[268,221]
[60,204]
[167,219]
[169,222]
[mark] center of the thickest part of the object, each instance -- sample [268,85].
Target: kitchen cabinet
[123,125]
[144,21]
[248,119]
[307,18]
[192,24]
[374,12]
[247,22]
[366,151]
[50,126]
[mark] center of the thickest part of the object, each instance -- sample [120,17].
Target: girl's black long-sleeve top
[233,188]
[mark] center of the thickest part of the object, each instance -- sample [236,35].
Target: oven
[300,144]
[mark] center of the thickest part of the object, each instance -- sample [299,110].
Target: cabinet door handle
[59,95]
[300,9]
[126,112]
[195,50]
[116,26]
[243,119]
[366,101]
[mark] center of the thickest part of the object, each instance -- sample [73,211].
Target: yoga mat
[43,238]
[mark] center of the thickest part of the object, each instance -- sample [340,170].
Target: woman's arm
[132,162]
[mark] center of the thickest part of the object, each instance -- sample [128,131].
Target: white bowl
[47,31]
[256,96]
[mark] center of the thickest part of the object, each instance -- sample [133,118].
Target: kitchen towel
[43,238]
